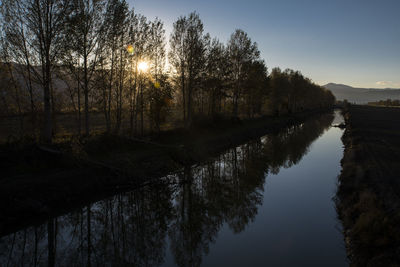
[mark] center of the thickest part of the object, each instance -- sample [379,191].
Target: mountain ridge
[349,86]
[361,95]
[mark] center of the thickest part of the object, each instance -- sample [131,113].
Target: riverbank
[368,200]
[45,181]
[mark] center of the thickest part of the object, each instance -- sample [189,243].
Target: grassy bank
[368,197]
[44,181]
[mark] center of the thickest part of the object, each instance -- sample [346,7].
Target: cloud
[383,83]
[388,84]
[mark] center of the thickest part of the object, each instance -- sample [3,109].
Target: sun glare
[143,66]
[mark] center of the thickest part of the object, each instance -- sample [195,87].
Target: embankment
[368,199]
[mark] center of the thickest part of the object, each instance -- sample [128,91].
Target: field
[66,125]
[368,198]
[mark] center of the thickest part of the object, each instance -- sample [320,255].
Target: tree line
[387,103]
[92,58]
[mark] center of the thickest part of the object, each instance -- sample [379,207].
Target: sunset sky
[354,42]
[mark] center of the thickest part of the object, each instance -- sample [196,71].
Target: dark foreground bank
[368,199]
[39,182]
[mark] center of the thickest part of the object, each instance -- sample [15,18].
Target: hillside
[361,95]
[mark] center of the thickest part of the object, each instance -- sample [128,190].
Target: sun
[143,66]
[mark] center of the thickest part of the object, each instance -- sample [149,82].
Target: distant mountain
[361,95]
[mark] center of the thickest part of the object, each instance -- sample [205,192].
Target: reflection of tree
[193,228]
[25,248]
[128,229]
[229,189]
[289,146]
[131,228]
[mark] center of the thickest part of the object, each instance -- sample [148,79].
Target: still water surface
[265,203]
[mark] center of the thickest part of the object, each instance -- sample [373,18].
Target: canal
[268,202]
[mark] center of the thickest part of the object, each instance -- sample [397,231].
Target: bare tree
[241,52]
[112,43]
[18,40]
[217,69]
[44,19]
[139,35]
[178,58]
[81,49]
[187,56]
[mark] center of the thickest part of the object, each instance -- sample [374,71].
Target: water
[264,203]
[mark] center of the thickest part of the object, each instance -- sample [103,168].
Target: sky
[353,42]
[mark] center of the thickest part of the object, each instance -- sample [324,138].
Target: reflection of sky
[352,42]
[296,225]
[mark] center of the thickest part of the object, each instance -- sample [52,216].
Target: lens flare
[130,49]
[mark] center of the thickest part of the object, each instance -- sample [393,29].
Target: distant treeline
[387,103]
[91,56]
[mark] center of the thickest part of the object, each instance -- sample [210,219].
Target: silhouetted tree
[44,24]
[242,51]
[187,56]
[81,46]
[216,76]
[16,47]
[92,49]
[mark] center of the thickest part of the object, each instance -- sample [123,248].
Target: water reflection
[181,215]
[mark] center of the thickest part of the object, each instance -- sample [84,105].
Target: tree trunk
[47,128]
[183,92]
[33,112]
[86,89]
[17,100]
[141,106]
[109,93]
[135,101]
[79,106]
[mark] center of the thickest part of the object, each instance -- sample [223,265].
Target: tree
[187,56]
[255,87]
[159,88]
[112,59]
[242,51]
[16,45]
[291,92]
[160,96]
[278,91]
[177,58]
[94,49]
[44,23]
[81,49]
[217,69]
[139,37]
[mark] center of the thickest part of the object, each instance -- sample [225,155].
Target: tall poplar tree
[242,51]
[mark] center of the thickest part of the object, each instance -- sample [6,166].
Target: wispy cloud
[383,83]
[389,84]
